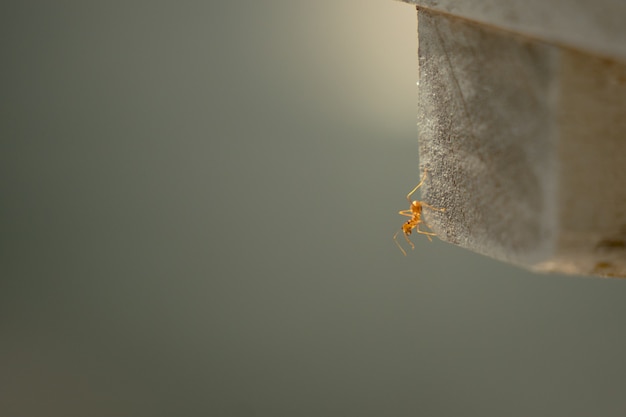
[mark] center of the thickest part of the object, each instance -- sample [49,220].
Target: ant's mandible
[415,214]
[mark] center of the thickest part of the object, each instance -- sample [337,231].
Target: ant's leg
[409,240]
[427,234]
[425,224]
[408,196]
[432,208]
[395,239]
[417,229]
[407,213]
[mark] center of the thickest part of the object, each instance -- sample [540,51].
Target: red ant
[415,214]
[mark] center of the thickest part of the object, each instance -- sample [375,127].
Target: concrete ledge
[525,145]
[594,26]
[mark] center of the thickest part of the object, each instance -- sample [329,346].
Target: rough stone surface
[525,146]
[596,26]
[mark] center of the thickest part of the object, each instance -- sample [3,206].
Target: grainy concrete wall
[524,141]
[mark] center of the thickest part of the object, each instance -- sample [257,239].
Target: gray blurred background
[197,211]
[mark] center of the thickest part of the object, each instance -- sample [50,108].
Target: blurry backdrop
[196,216]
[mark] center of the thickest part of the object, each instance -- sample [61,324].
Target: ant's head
[407,228]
